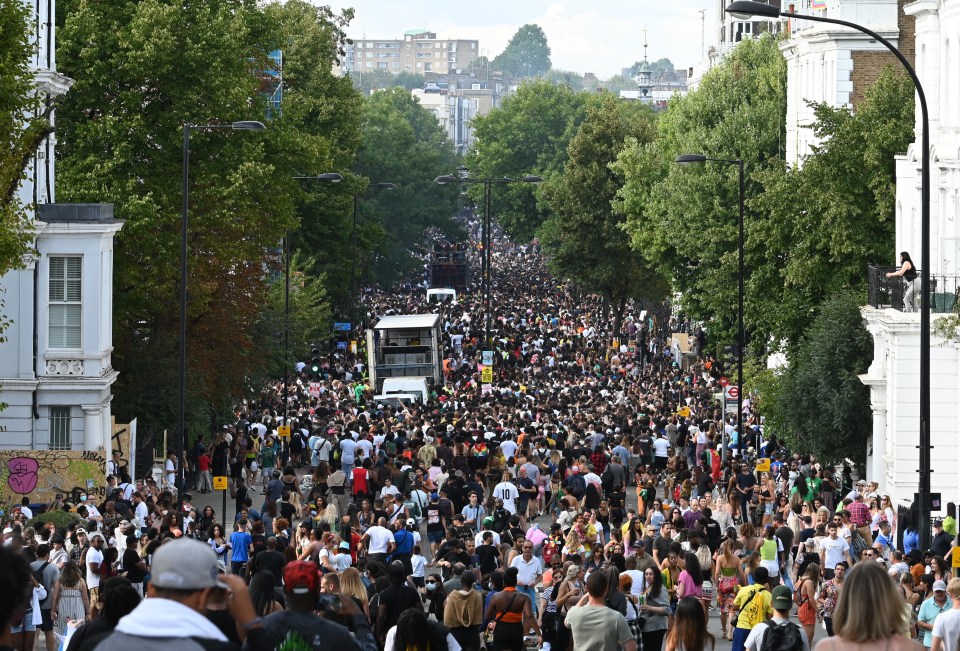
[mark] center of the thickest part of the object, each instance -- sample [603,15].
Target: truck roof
[411,321]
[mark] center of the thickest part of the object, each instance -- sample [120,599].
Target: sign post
[220,484]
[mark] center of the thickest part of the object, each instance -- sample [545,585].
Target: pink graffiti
[23,474]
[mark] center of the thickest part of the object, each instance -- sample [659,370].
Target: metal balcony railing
[890,292]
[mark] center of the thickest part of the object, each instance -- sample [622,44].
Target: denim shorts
[26,625]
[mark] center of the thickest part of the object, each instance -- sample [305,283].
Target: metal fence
[890,292]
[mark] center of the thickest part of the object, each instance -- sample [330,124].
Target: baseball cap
[301,577]
[411,522]
[939,586]
[782,597]
[434,496]
[185,564]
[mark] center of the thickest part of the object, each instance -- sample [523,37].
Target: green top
[768,550]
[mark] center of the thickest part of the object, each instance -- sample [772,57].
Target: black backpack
[781,637]
[577,486]
[38,574]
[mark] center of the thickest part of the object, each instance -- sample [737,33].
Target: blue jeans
[532,593]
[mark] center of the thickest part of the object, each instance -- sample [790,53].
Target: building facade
[420,51]
[55,368]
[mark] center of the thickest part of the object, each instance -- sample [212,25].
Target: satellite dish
[459,71]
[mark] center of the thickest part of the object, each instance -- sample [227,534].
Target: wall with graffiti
[41,474]
[124,440]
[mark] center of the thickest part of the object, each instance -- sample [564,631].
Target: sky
[601,36]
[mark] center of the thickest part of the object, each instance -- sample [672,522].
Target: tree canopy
[583,238]
[526,55]
[528,134]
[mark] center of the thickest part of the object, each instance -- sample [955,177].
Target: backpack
[784,637]
[38,574]
[578,486]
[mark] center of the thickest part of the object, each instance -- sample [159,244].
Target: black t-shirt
[433,518]
[745,481]
[488,558]
[129,562]
[785,534]
[661,546]
[806,534]
[308,631]
[712,527]
[646,445]
[525,484]
[396,598]
[272,562]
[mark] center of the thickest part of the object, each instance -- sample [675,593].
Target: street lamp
[486,260]
[326,177]
[244,125]
[746,9]
[687,159]
[353,265]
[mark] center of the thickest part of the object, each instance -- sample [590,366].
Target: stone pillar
[93,428]
[877,471]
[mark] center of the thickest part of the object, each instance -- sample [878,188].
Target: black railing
[890,292]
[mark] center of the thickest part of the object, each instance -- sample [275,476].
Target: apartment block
[420,51]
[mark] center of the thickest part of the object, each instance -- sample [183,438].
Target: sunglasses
[431,583]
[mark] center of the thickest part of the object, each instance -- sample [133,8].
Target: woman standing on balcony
[908,271]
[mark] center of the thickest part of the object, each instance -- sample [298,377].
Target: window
[65,301]
[60,428]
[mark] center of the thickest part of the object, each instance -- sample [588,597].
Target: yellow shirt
[755,612]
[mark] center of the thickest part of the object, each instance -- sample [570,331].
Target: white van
[441,295]
[396,400]
[416,386]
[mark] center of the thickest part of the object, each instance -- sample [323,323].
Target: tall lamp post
[687,159]
[245,125]
[486,258]
[353,265]
[326,177]
[747,9]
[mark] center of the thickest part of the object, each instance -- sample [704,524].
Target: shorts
[47,624]
[94,598]
[26,625]
[436,536]
[418,581]
[806,614]
[660,463]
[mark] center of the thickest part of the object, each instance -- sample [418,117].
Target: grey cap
[185,564]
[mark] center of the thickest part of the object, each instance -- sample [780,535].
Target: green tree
[143,69]
[528,134]
[366,82]
[815,228]
[658,67]
[20,132]
[818,402]
[572,80]
[583,239]
[685,220]
[526,55]
[403,144]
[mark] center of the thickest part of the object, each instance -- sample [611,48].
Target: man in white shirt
[529,573]
[833,550]
[140,511]
[508,447]
[507,492]
[93,560]
[378,541]
[348,449]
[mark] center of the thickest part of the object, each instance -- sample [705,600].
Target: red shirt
[599,462]
[859,513]
[203,461]
[359,480]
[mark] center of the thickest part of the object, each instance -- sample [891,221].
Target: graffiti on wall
[124,440]
[41,474]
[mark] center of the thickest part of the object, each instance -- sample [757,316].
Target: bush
[63,519]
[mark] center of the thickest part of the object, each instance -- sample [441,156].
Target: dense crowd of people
[593,496]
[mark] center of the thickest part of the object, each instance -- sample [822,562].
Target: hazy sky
[601,36]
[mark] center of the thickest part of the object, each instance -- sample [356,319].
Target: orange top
[509,616]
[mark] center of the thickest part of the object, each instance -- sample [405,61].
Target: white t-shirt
[170,467]
[509,448]
[834,551]
[661,447]
[366,446]
[380,537]
[93,556]
[947,627]
[755,639]
[636,588]
[347,450]
[508,493]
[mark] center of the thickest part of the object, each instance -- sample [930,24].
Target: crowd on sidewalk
[582,501]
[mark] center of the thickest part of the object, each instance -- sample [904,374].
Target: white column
[877,471]
[93,427]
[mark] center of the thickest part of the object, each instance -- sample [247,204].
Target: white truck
[405,350]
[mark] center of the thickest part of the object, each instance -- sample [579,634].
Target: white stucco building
[454,112]
[894,376]
[55,368]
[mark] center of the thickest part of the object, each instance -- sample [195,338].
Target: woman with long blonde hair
[869,614]
[350,584]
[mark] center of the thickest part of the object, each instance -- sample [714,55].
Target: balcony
[888,292]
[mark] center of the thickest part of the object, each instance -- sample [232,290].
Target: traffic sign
[763,465]
[731,392]
[340,326]
[283,431]
[955,552]
[724,381]
[220,483]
